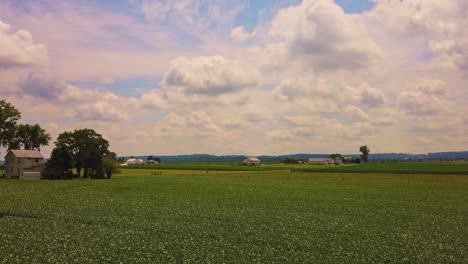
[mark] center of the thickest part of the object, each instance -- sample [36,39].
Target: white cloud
[210,76]
[426,98]
[19,49]
[372,97]
[101,111]
[240,34]
[320,35]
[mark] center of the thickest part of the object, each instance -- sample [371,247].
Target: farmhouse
[251,161]
[24,164]
[321,161]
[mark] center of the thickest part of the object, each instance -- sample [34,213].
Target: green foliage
[59,165]
[365,153]
[30,137]
[9,115]
[87,148]
[110,166]
[232,217]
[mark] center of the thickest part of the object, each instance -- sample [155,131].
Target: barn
[24,164]
[251,161]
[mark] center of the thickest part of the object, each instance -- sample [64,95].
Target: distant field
[213,217]
[397,167]
[213,166]
[387,167]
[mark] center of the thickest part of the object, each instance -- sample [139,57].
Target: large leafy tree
[87,148]
[365,153]
[30,137]
[59,165]
[9,115]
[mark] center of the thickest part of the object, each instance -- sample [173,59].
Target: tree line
[84,150]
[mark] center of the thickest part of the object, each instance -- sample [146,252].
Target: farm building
[134,162]
[251,161]
[321,161]
[24,164]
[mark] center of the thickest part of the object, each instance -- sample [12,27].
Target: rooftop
[32,154]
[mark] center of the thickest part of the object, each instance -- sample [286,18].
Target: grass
[194,216]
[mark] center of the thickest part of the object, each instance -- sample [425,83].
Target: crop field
[460,168]
[176,216]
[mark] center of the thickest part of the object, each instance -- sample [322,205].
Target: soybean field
[184,216]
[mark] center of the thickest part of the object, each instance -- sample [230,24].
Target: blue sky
[241,76]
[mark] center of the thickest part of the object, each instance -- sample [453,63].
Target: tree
[29,137]
[158,160]
[9,115]
[59,165]
[87,148]
[109,165]
[336,156]
[150,158]
[365,153]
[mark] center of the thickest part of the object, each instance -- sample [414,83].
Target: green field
[198,216]
[460,168]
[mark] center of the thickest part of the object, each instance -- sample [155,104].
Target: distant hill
[373,157]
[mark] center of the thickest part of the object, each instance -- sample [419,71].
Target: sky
[241,76]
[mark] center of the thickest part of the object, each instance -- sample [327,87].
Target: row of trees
[19,136]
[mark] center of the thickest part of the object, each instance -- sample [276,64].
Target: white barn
[251,161]
[135,162]
[321,161]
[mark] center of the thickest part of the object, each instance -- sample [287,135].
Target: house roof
[32,154]
[253,159]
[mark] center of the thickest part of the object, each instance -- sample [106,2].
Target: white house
[321,161]
[24,164]
[251,161]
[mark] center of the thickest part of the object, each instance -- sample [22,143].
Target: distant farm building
[251,161]
[24,164]
[321,161]
[132,161]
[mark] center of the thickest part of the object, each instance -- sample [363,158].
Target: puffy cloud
[154,100]
[372,97]
[438,27]
[281,135]
[19,49]
[319,34]
[240,34]
[195,124]
[42,85]
[101,111]
[209,76]
[426,98]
